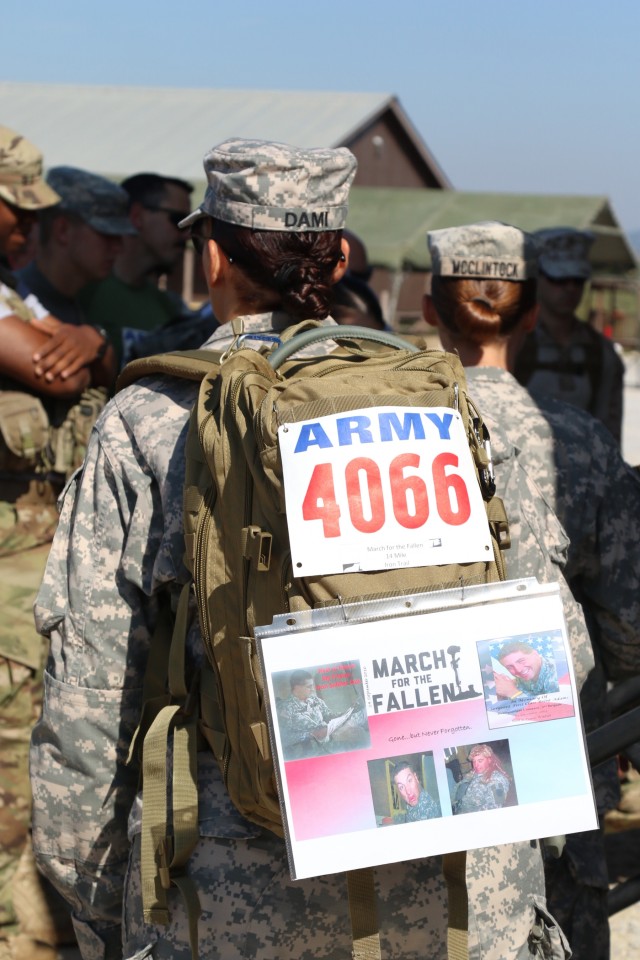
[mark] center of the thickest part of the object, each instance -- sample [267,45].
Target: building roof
[394,222]
[117,131]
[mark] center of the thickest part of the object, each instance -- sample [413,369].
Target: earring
[342,258]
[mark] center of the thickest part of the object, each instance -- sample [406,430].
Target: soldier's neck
[560,327]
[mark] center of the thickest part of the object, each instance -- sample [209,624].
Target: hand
[506,686]
[68,350]
[48,324]
[320,733]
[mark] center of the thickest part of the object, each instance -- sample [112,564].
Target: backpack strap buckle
[256,547]
[497,517]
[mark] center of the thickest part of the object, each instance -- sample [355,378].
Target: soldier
[119,551]
[533,674]
[129,303]
[47,405]
[303,717]
[563,357]
[420,805]
[486,786]
[79,240]
[584,480]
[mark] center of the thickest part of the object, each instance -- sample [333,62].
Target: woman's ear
[530,318]
[214,263]
[343,263]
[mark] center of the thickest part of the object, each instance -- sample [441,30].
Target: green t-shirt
[127,312]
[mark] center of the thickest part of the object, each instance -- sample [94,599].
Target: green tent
[393,222]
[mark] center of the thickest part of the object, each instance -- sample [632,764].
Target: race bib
[381,488]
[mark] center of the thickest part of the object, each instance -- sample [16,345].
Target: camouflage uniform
[584,482]
[29,908]
[545,682]
[584,371]
[31,913]
[477,793]
[425,809]
[297,719]
[587,372]
[117,552]
[583,478]
[118,546]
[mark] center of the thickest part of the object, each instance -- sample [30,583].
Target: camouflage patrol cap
[563,252]
[273,186]
[97,201]
[21,182]
[485,251]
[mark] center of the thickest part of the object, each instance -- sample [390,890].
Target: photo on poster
[525,679]
[404,789]
[320,710]
[480,777]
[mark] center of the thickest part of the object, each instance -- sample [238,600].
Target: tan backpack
[237,549]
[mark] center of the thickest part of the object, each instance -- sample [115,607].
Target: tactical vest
[44,438]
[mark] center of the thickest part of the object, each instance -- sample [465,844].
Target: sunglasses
[198,238]
[174,216]
[201,234]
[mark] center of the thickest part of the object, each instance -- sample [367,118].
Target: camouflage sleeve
[604,566]
[435,809]
[97,607]
[506,890]
[608,405]
[296,725]
[539,547]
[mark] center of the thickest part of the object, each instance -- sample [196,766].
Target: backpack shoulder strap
[187,364]
[594,362]
[527,359]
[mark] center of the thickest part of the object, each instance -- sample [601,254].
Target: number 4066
[409,494]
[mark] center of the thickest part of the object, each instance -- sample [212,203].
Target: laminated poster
[425,725]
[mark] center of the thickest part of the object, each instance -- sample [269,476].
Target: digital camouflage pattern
[577,891]
[545,682]
[21,180]
[425,809]
[30,909]
[475,793]
[297,719]
[492,250]
[94,199]
[273,186]
[596,495]
[21,652]
[118,549]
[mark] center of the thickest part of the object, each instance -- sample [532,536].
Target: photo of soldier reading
[404,789]
[321,710]
[525,679]
[486,777]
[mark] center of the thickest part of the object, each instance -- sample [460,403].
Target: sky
[525,96]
